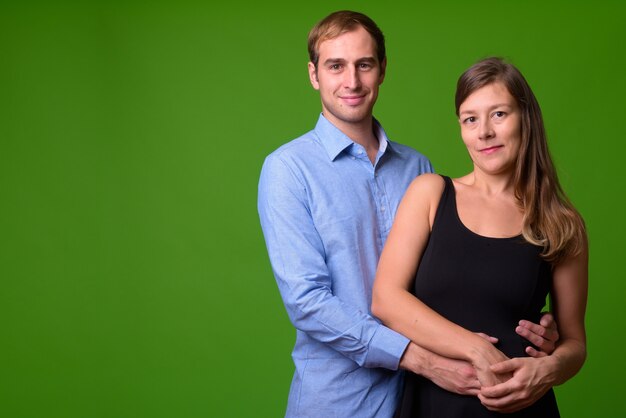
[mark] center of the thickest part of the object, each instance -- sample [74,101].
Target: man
[326,203]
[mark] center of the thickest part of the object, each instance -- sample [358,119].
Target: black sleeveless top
[485,285]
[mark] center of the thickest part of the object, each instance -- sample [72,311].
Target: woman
[477,253]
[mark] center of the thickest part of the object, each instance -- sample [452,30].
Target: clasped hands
[502,384]
[508,385]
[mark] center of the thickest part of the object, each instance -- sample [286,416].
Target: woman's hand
[483,357]
[531,379]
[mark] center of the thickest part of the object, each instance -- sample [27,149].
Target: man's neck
[362,133]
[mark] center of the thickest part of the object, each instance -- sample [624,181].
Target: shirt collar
[334,141]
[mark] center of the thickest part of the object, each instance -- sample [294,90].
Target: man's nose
[352,78]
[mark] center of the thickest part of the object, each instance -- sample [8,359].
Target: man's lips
[490,150]
[353,100]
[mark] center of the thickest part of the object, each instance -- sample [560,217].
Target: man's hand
[452,375]
[532,378]
[544,336]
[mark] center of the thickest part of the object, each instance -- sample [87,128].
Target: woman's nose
[486,130]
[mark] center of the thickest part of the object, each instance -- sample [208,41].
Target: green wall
[134,280]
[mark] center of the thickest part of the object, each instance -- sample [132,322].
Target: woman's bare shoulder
[427,184]
[425,191]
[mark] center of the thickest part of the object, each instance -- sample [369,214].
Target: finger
[496,403]
[551,329]
[535,353]
[546,330]
[471,386]
[508,409]
[504,366]
[532,327]
[545,346]
[497,391]
[506,404]
[473,392]
[533,333]
[547,321]
[534,338]
[492,340]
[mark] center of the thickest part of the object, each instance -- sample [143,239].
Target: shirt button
[382,208]
[354,158]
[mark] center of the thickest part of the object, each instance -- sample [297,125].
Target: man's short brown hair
[341,22]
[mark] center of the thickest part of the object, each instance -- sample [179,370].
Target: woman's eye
[471,119]
[499,114]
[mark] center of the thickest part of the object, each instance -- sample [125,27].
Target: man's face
[347,76]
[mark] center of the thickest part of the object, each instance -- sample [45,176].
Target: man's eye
[365,66]
[335,67]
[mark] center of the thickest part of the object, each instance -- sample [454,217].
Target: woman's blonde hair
[550,219]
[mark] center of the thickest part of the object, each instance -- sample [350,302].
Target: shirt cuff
[386,349]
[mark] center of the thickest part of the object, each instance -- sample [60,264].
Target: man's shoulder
[409,153]
[294,158]
[296,148]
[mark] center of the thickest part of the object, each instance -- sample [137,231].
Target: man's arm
[460,377]
[297,255]
[453,375]
[522,390]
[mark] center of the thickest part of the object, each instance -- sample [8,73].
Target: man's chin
[354,116]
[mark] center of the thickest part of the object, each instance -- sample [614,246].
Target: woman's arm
[533,377]
[569,303]
[402,311]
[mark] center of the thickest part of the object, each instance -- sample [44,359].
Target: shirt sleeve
[298,257]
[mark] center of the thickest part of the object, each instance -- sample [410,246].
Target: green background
[134,280]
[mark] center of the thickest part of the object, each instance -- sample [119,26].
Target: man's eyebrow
[330,61]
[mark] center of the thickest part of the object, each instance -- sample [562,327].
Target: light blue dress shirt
[325,212]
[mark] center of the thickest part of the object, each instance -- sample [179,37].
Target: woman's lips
[490,150]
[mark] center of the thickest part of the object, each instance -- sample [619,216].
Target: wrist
[551,365]
[415,359]
[478,351]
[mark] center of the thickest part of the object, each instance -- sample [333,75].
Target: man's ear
[383,68]
[313,76]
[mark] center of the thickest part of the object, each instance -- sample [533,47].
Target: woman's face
[491,128]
